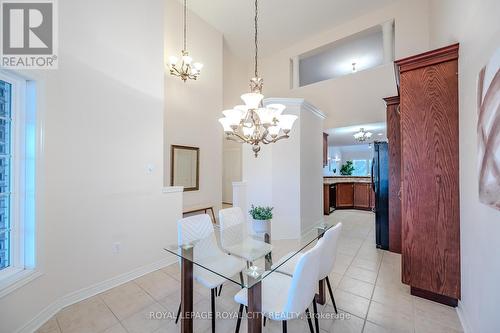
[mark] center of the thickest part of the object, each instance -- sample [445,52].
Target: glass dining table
[205,251]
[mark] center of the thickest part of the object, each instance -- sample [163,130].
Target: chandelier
[253,123]
[184,68]
[362,135]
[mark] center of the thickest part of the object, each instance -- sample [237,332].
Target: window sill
[17,279]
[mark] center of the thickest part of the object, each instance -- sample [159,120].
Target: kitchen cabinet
[428,85]
[394,137]
[362,195]
[345,195]
[325,149]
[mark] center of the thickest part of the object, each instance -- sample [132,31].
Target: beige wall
[476,25]
[193,107]
[100,130]
[354,98]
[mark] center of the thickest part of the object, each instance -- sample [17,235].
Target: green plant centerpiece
[347,168]
[261,218]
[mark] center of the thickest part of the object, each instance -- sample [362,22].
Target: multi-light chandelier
[362,135]
[184,68]
[253,123]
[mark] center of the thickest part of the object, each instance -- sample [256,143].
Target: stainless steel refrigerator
[380,184]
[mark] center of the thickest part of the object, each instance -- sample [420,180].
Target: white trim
[295,102]
[239,184]
[90,291]
[173,189]
[18,280]
[463,318]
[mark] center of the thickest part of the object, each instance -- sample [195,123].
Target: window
[17,175]
[362,167]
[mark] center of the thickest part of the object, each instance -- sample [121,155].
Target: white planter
[261,226]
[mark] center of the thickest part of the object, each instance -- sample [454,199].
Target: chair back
[304,282]
[329,250]
[233,227]
[199,229]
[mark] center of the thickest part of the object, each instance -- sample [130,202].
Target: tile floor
[366,284]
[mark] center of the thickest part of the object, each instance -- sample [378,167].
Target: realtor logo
[28,34]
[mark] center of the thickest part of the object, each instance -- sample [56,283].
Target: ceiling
[343,136]
[281,22]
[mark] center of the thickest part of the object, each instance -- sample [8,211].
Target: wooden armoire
[430,225]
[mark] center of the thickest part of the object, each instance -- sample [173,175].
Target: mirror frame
[172,150]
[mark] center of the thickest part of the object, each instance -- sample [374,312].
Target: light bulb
[172,60]
[198,66]
[233,115]
[226,125]
[248,131]
[286,121]
[265,115]
[274,131]
[252,100]
[187,59]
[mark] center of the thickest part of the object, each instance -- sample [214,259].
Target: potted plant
[261,218]
[347,168]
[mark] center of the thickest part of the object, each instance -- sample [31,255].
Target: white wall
[100,125]
[476,25]
[355,98]
[356,152]
[287,174]
[193,107]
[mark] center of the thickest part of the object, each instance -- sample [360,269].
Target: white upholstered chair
[286,297]
[200,230]
[328,255]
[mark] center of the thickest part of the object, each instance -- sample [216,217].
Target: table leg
[268,262]
[187,291]
[213,215]
[321,295]
[255,308]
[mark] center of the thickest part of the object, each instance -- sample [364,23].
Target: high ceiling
[281,22]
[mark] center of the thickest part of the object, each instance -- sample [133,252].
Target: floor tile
[350,324]
[390,317]
[351,303]
[144,322]
[158,284]
[118,328]
[90,315]
[361,274]
[374,328]
[394,297]
[356,287]
[439,314]
[127,299]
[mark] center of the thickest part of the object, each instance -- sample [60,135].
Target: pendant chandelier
[362,135]
[252,123]
[184,68]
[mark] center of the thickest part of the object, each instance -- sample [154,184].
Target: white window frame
[17,269]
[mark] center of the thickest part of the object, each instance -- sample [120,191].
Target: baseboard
[463,317]
[90,291]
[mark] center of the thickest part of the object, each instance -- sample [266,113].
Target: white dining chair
[286,297]
[236,239]
[198,229]
[328,248]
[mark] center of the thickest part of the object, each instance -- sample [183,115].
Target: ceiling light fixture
[252,123]
[185,69]
[362,135]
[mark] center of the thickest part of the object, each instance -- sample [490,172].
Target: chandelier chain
[185,24]
[256,38]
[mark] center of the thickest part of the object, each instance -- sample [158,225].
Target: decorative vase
[261,226]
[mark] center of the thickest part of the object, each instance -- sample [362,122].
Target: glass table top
[238,253]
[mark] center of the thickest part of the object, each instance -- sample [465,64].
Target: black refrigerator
[380,184]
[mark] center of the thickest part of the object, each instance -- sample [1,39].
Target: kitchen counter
[347,179]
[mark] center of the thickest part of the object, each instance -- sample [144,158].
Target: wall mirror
[185,167]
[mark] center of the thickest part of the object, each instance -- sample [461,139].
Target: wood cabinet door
[362,195]
[430,200]
[394,137]
[345,195]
